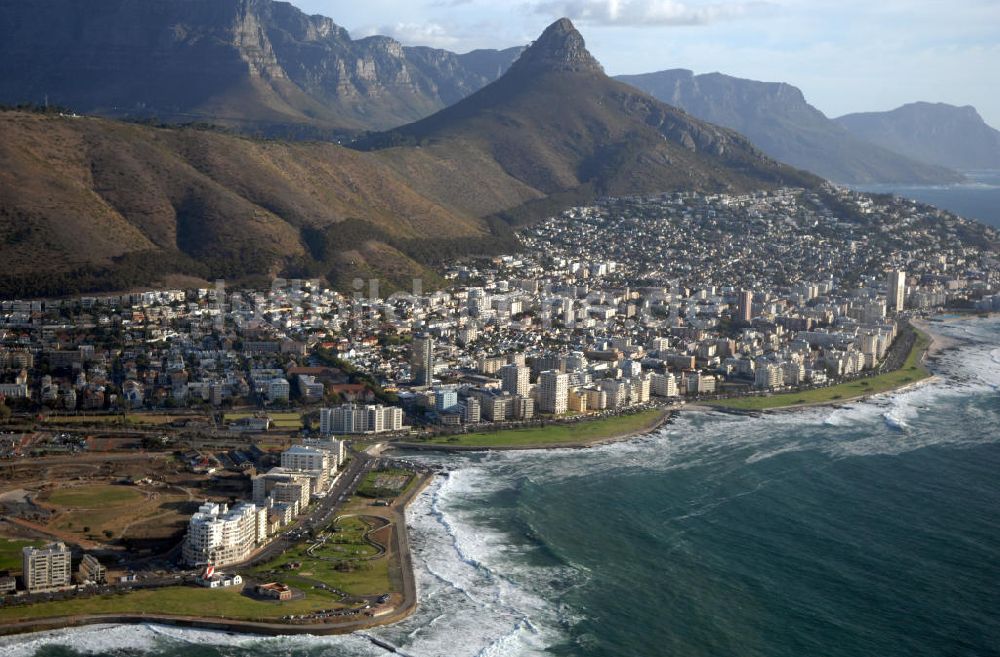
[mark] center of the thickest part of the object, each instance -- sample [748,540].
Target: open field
[578,433]
[104,511]
[385,483]
[10,552]
[278,420]
[95,496]
[911,372]
[130,420]
[177,601]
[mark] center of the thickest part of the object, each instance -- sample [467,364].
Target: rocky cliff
[778,120]
[244,63]
[936,133]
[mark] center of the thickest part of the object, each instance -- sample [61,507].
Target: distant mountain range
[935,133]
[566,133]
[265,67]
[251,64]
[777,119]
[89,203]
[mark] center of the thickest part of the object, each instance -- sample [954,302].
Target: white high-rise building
[46,569]
[515,379]
[221,536]
[897,291]
[664,385]
[553,392]
[473,411]
[422,360]
[337,449]
[300,457]
[355,419]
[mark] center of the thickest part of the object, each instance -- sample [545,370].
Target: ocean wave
[471,583]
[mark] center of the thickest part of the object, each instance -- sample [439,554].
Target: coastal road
[323,512]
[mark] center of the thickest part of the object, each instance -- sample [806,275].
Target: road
[322,513]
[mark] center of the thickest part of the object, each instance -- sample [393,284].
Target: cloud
[425,34]
[652,13]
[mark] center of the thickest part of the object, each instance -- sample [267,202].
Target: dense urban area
[219,417]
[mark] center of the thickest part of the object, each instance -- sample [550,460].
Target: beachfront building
[553,392]
[337,449]
[220,536]
[515,380]
[47,568]
[301,457]
[897,291]
[291,486]
[356,419]
[91,571]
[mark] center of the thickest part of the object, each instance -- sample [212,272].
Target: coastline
[935,343]
[664,417]
[400,546]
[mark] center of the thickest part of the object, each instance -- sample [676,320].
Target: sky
[845,55]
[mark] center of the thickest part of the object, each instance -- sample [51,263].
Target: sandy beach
[939,341]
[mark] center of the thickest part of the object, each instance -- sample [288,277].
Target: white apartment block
[300,457]
[553,392]
[46,569]
[355,419]
[278,390]
[287,486]
[769,375]
[663,385]
[337,449]
[516,380]
[897,291]
[221,536]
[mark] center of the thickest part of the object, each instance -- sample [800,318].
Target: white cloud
[424,34]
[652,13]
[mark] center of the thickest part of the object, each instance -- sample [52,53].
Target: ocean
[870,530]
[979,198]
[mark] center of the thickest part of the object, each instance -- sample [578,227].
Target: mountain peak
[560,48]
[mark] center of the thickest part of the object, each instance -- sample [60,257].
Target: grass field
[911,372]
[584,431]
[347,546]
[88,497]
[133,419]
[177,601]
[385,483]
[368,577]
[95,509]
[10,552]
[278,420]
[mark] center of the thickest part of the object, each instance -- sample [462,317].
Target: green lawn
[584,431]
[10,552]
[345,547]
[132,419]
[385,483]
[278,420]
[92,497]
[365,578]
[177,601]
[911,372]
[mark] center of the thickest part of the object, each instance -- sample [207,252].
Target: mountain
[937,133]
[94,204]
[563,131]
[779,121]
[251,64]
